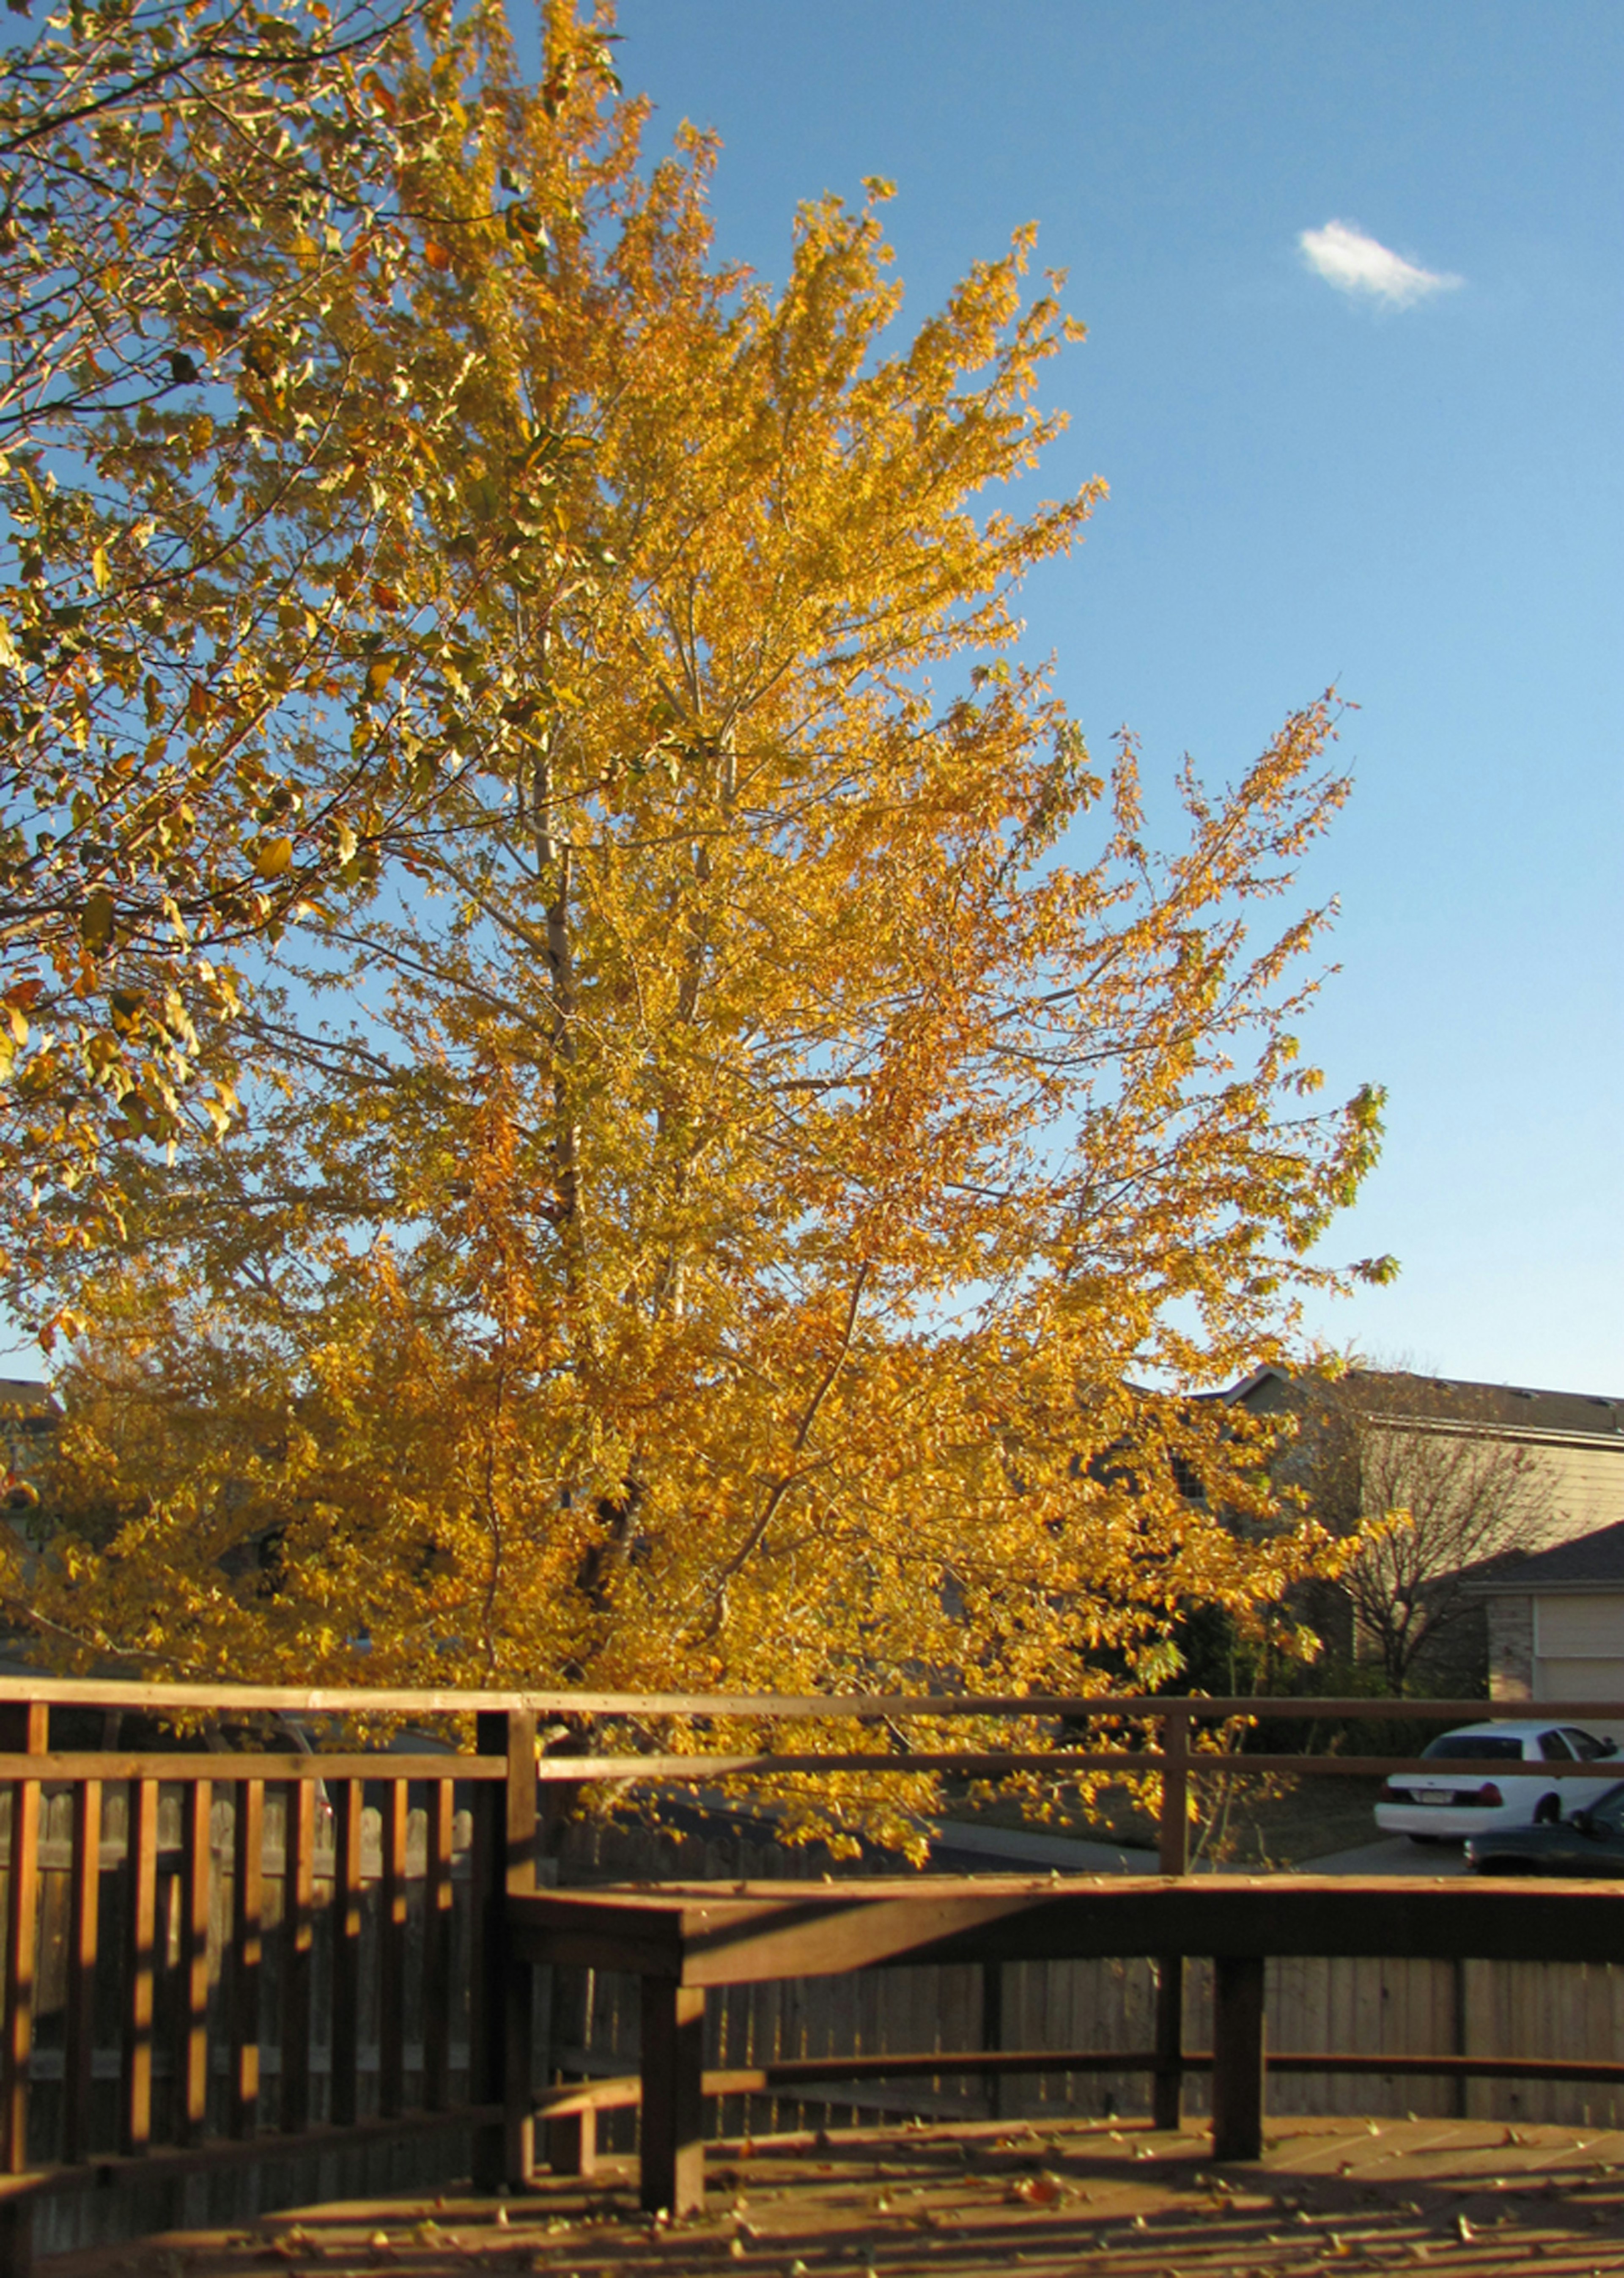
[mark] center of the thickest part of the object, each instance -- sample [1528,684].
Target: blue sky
[1420,501]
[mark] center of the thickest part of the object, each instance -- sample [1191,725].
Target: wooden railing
[168,1960]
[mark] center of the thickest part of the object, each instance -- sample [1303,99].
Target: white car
[1437,1806]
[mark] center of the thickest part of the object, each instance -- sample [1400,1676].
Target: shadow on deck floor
[1452,2197]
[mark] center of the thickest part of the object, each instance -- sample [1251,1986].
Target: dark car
[1590,1841]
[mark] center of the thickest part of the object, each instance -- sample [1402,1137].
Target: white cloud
[1354,263]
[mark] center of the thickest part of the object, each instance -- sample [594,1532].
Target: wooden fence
[231,1950]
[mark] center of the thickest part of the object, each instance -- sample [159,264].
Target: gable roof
[1501,1407]
[1588,1562]
[25,1393]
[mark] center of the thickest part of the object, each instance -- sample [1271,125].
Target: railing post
[502,2016]
[1173,1830]
[1173,1844]
[25,1730]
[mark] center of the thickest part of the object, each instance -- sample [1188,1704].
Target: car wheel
[1547,1811]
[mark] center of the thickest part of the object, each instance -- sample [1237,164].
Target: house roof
[1590,1562]
[1502,1407]
[28,1412]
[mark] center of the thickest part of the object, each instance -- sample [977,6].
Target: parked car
[1588,1841]
[1442,1806]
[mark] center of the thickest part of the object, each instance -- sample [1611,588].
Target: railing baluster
[438,1898]
[248,1947]
[298,1938]
[192,2051]
[84,1941]
[24,1727]
[141,1958]
[391,1956]
[343,2095]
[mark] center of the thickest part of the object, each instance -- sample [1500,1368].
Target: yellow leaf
[99,570]
[274,858]
[96,922]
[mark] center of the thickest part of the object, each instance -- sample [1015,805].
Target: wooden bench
[682,1939]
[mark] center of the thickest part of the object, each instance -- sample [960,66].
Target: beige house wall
[1567,1646]
[1587,1487]
[1584,1478]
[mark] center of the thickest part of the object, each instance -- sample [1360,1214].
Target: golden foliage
[791,1102]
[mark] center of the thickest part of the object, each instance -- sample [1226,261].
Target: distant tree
[1416,1467]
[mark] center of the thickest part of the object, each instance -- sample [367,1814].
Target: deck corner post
[1238,2057]
[672,2119]
[504,1995]
[17,2237]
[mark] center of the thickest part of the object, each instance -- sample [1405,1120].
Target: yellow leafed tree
[761,1154]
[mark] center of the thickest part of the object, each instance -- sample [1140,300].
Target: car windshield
[1496,1745]
[1585,1745]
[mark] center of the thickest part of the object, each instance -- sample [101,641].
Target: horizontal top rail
[394,1701]
[578,1771]
[206,1764]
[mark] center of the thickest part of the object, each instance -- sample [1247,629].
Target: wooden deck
[1457,2198]
[198,1938]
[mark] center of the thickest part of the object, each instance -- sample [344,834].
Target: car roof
[1524,1728]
